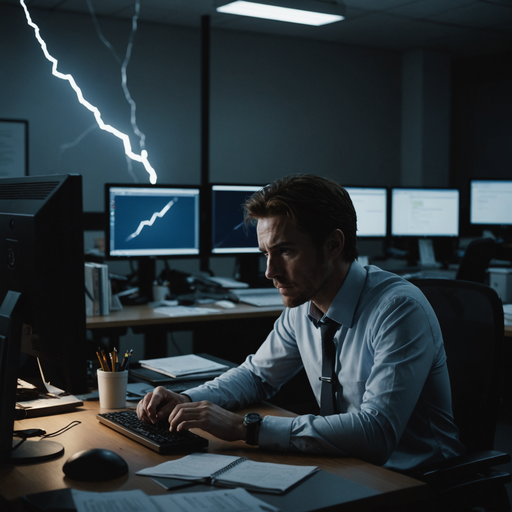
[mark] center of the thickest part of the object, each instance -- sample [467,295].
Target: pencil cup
[112,389]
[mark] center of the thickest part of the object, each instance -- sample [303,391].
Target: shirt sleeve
[261,375]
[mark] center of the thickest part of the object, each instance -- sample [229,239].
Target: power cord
[37,432]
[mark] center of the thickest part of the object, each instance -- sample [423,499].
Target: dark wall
[481,122]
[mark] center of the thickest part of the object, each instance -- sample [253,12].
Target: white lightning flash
[143,157]
[151,221]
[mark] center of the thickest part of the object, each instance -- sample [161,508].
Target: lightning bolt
[151,221]
[124,65]
[143,157]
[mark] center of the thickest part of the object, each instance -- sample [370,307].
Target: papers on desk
[137,501]
[184,366]
[230,471]
[185,311]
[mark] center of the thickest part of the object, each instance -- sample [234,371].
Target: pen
[125,361]
[105,361]
[128,360]
[114,360]
[102,364]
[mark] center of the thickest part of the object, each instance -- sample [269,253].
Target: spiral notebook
[230,471]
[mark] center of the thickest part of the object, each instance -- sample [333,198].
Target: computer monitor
[229,233]
[147,222]
[371,208]
[425,212]
[42,297]
[490,202]
[428,215]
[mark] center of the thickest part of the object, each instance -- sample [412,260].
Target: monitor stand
[427,255]
[146,275]
[33,452]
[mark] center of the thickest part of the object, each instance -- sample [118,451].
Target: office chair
[476,259]
[471,319]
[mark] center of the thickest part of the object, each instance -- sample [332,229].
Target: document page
[235,500]
[192,467]
[177,366]
[120,501]
[264,475]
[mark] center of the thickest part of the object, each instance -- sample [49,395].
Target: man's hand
[157,406]
[209,417]
[183,414]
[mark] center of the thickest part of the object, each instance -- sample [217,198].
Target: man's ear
[335,243]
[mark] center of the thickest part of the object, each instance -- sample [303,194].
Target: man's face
[299,269]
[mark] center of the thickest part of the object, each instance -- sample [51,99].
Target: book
[97,289]
[232,471]
[92,289]
[55,401]
[189,365]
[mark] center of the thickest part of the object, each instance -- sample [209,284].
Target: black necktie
[328,378]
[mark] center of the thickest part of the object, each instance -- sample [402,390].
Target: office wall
[481,124]
[278,105]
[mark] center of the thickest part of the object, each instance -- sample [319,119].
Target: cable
[62,430]
[37,432]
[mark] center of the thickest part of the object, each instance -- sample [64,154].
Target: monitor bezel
[116,257]
[423,236]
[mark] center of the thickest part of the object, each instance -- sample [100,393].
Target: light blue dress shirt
[393,386]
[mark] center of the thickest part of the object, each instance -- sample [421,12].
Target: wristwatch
[252,421]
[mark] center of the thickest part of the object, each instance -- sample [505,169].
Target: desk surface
[131,316]
[20,480]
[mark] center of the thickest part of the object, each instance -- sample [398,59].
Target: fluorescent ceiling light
[274,12]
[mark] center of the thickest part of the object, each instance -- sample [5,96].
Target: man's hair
[315,205]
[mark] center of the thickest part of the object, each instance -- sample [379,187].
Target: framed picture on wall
[13,148]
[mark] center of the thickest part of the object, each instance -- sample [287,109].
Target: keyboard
[156,437]
[259,296]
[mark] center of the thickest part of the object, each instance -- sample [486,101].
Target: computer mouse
[225,304]
[95,465]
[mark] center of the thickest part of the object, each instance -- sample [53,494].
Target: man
[388,401]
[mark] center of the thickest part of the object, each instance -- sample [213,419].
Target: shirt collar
[343,307]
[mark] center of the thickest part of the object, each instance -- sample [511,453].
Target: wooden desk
[16,481]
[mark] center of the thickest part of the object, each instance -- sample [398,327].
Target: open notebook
[230,471]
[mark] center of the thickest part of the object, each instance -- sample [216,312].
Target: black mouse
[95,465]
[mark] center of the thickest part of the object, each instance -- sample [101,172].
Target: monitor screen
[157,221]
[491,202]
[424,212]
[371,209]
[230,235]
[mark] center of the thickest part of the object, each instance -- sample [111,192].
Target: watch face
[252,417]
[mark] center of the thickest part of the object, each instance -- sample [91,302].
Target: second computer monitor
[491,202]
[230,234]
[424,212]
[158,221]
[370,204]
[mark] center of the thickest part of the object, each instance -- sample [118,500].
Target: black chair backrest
[476,259]
[471,319]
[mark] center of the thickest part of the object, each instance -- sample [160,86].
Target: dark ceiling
[459,27]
